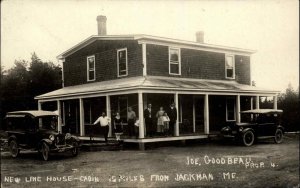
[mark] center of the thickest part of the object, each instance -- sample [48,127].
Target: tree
[289,103]
[24,81]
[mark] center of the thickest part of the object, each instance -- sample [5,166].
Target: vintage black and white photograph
[197,93]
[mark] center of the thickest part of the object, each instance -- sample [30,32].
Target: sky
[51,27]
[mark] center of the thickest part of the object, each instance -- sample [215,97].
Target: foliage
[289,103]
[24,81]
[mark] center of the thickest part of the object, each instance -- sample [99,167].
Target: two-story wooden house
[210,84]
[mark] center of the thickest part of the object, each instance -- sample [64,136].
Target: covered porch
[203,106]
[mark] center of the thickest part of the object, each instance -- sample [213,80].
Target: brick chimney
[101,20]
[200,36]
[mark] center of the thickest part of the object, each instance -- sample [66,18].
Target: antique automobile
[259,124]
[37,130]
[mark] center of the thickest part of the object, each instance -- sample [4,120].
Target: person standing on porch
[172,112]
[166,121]
[118,126]
[131,117]
[148,114]
[104,123]
[160,121]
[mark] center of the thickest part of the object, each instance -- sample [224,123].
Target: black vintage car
[37,130]
[260,124]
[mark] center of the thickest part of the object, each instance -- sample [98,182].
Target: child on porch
[166,121]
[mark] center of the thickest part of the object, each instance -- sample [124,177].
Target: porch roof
[154,83]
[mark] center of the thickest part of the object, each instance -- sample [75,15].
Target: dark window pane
[229,73]
[122,57]
[230,115]
[91,75]
[174,68]
[122,66]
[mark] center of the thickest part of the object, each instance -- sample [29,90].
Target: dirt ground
[202,164]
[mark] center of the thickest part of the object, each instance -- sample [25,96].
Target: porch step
[101,146]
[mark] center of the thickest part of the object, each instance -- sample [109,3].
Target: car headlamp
[68,135]
[241,129]
[51,137]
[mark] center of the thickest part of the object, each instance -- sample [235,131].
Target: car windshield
[47,122]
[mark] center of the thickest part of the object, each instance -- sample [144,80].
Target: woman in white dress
[160,122]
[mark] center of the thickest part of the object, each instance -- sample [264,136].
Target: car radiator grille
[60,140]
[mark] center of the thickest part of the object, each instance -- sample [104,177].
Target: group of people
[160,123]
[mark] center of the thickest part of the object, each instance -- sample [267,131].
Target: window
[174,61]
[229,67]
[122,62]
[230,109]
[91,68]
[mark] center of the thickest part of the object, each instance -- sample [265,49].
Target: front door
[199,114]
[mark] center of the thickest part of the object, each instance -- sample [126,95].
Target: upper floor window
[174,61]
[229,66]
[122,62]
[91,73]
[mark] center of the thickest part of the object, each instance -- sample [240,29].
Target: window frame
[179,61]
[118,64]
[234,109]
[88,68]
[233,66]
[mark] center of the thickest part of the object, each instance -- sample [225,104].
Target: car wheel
[278,136]
[13,147]
[45,151]
[248,138]
[75,151]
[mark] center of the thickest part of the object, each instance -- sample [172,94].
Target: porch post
[194,115]
[206,114]
[81,117]
[257,102]
[141,115]
[238,109]
[275,102]
[39,105]
[144,107]
[59,116]
[40,108]
[177,121]
[64,113]
[108,113]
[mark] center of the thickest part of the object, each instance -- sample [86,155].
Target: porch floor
[126,139]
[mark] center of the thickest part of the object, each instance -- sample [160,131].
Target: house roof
[154,83]
[154,40]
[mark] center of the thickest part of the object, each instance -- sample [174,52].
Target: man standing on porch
[104,123]
[131,117]
[148,114]
[173,118]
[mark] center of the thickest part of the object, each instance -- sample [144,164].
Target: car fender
[247,129]
[48,141]
[75,138]
[280,127]
[12,137]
